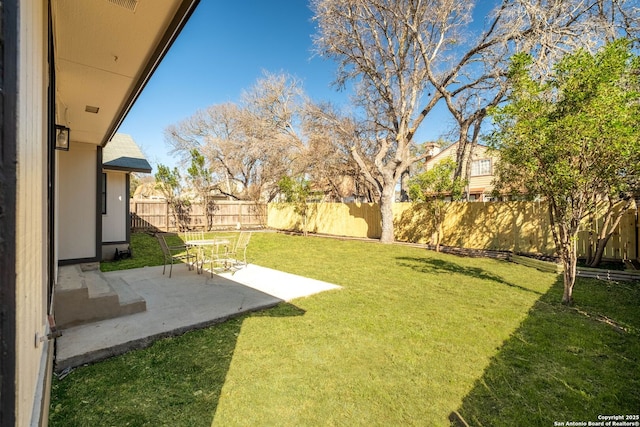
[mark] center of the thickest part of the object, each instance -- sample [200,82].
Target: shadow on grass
[563,363]
[175,381]
[430,265]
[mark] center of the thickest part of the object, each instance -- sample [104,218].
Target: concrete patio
[178,304]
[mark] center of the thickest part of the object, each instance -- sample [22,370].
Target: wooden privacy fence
[340,219]
[157,215]
[503,226]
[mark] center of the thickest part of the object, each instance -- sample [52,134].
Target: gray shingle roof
[122,153]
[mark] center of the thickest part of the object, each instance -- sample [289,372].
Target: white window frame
[481,167]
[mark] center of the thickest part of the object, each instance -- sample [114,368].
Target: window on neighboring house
[481,167]
[104,193]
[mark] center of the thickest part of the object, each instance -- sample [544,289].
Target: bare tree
[211,132]
[329,136]
[249,146]
[272,113]
[407,56]
[273,132]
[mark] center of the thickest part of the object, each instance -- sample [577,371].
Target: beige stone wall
[31,245]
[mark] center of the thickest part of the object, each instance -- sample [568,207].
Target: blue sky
[222,51]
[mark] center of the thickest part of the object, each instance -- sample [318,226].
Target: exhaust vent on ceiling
[127,4]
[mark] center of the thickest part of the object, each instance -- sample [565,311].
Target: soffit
[102,53]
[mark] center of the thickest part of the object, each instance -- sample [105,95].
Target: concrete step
[84,295]
[69,278]
[97,286]
[130,302]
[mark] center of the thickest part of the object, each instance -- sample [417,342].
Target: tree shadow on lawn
[433,265]
[563,363]
[175,381]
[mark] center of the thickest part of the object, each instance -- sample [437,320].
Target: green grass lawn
[146,252]
[413,337]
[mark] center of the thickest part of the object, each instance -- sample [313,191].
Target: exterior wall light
[62,137]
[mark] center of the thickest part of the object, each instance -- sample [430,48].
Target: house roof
[442,153]
[122,153]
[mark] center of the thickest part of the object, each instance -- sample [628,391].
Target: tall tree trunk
[439,216]
[565,237]
[404,186]
[386,214]
[461,154]
[439,233]
[611,221]
[600,245]
[386,188]
[305,221]
[591,244]
[569,279]
[466,146]
[569,257]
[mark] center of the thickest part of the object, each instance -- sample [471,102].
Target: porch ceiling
[105,51]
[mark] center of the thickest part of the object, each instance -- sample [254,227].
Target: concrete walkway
[178,304]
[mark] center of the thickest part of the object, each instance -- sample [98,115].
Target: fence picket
[498,226]
[157,215]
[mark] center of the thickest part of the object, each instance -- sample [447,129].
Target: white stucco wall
[31,223]
[114,222]
[77,201]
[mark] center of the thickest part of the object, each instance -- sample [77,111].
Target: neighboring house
[70,71]
[481,174]
[337,189]
[120,157]
[148,191]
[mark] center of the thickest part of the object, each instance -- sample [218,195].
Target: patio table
[200,246]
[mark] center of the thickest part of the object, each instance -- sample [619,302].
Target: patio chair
[189,236]
[193,235]
[237,255]
[174,253]
[215,255]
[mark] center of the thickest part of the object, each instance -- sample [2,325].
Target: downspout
[51,165]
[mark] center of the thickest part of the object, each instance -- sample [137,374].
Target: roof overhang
[105,52]
[123,154]
[108,167]
[479,190]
